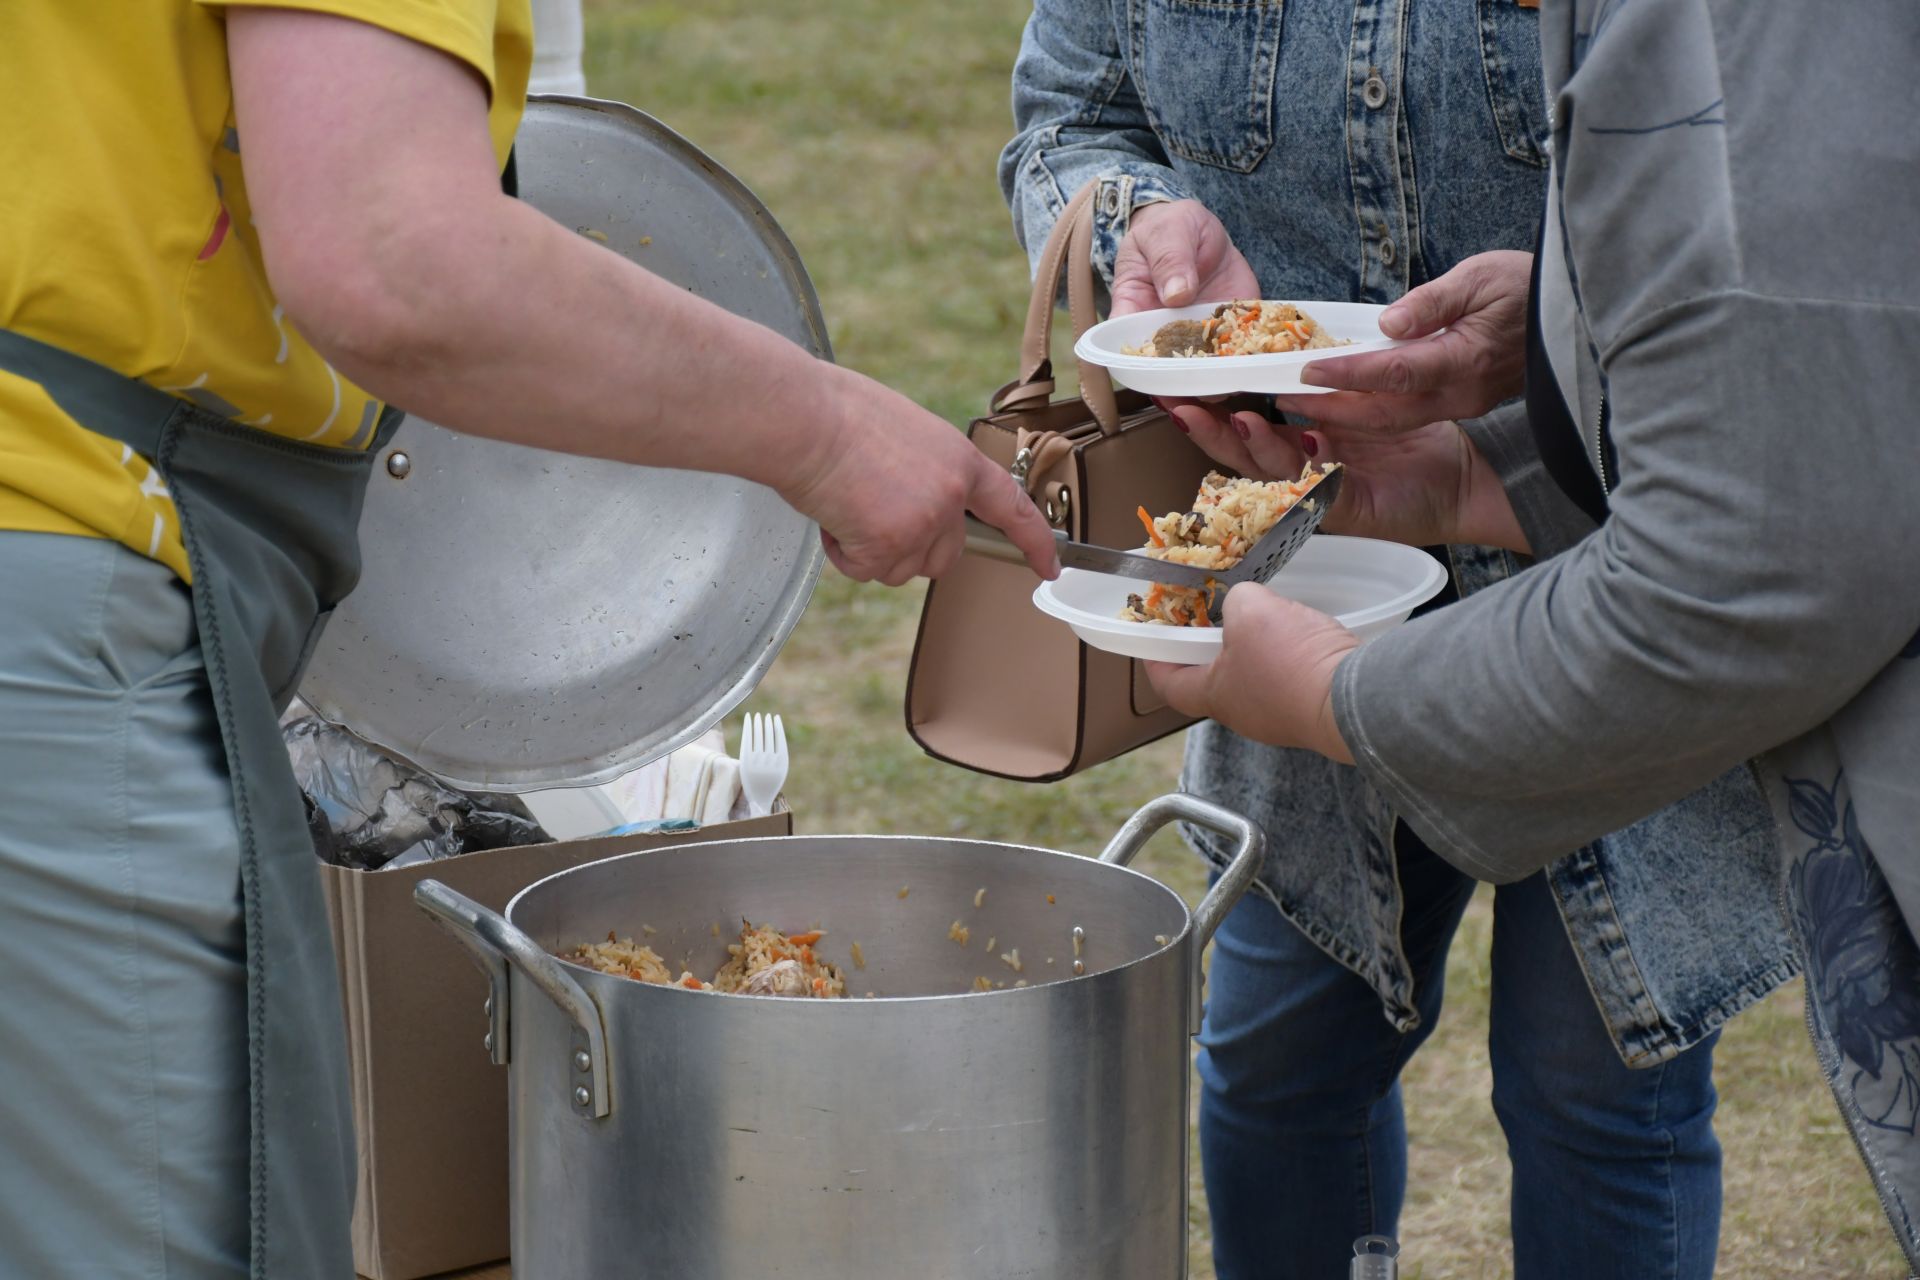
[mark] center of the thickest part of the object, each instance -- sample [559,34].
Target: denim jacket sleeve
[1077,118]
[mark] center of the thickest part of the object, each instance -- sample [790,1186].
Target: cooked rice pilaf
[1229,515]
[764,962]
[1239,329]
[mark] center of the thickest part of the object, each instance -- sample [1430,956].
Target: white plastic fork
[763,762]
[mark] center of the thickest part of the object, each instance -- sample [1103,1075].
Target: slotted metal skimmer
[1264,559]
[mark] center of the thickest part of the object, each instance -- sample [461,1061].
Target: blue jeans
[1616,1172]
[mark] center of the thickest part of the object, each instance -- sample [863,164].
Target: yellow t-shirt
[125,238]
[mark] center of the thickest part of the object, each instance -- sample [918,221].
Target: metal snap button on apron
[1374,92]
[1387,253]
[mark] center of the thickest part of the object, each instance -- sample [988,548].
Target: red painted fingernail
[1311,445]
[1241,427]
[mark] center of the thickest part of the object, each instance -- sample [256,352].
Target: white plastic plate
[1367,585]
[1225,375]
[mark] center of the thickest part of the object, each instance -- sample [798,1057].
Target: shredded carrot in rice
[1228,516]
[1239,328]
[759,950]
[1153,534]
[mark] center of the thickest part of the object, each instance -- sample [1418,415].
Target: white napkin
[642,794]
[723,790]
[689,771]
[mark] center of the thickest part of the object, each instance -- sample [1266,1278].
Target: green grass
[871,130]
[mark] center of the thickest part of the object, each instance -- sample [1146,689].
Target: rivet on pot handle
[1250,847]
[495,943]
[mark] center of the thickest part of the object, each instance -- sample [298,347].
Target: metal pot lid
[528,619]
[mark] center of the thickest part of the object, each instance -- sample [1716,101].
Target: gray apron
[270,529]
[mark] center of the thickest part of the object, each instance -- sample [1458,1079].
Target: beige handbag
[995,685]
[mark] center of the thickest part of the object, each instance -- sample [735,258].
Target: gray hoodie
[1732,269]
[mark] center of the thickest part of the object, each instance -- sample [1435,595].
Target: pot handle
[495,943]
[1250,848]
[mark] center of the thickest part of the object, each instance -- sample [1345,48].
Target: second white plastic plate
[1225,375]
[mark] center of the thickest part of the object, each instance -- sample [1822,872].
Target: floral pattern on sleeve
[1863,966]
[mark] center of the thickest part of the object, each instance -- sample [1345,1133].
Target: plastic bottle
[1375,1258]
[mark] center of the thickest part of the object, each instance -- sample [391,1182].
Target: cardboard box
[429,1107]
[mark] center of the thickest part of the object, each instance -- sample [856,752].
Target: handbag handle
[1069,248]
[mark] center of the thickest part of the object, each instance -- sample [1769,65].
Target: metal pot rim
[1174,941]
[502,948]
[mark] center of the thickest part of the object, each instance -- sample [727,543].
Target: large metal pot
[934,1131]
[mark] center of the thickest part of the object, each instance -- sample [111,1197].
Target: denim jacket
[1747,593]
[1355,148]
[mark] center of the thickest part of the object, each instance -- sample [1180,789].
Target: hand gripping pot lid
[527,619]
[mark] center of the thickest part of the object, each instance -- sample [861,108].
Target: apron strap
[109,402]
[90,392]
